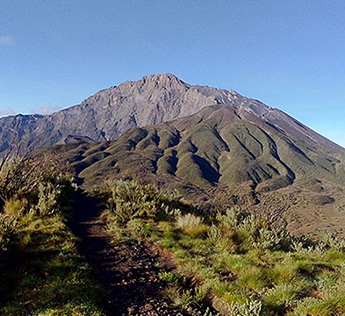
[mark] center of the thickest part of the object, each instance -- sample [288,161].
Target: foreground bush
[41,272]
[7,233]
[191,225]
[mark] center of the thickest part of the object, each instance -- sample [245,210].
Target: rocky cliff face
[151,100]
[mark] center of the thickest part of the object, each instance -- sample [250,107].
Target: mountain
[251,156]
[110,112]
[151,100]
[213,145]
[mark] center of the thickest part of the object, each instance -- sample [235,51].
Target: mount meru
[213,145]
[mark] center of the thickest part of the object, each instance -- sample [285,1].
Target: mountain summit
[151,100]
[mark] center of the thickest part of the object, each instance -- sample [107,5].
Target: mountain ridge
[222,158]
[110,112]
[214,145]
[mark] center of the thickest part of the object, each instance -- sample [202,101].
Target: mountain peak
[164,77]
[163,80]
[150,100]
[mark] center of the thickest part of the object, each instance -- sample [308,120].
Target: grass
[191,225]
[50,277]
[238,262]
[42,272]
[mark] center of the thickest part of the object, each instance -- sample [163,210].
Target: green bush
[191,225]
[173,278]
[48,195]
[127,201]
[49,277]
[7,232]
[15,206]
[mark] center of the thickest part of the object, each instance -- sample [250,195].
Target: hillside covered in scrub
[130,249]
[41,269]
[164,198]
[226,157]
[213,145]
[239,263]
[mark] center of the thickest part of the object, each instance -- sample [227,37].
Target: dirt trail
[128,272]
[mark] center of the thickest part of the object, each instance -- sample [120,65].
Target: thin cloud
[5,40]
[45,109]
[6,112]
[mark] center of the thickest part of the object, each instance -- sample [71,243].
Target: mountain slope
[150,100]
[228,155]
[212,144]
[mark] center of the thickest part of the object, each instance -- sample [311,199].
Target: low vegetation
[42,272]
[238,262]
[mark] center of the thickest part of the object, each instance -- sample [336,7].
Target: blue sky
[288,54]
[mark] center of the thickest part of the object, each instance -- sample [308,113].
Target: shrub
[191,225]
[283,295]
[249,308]
[47,198]
[184,299]
[19,176]
[115,230]
[252,277]
[248,232]
[15,206]
[213,235]
[173,278]
[53,192]
[328,240]
[7,232]
[136,229]
[128,200]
